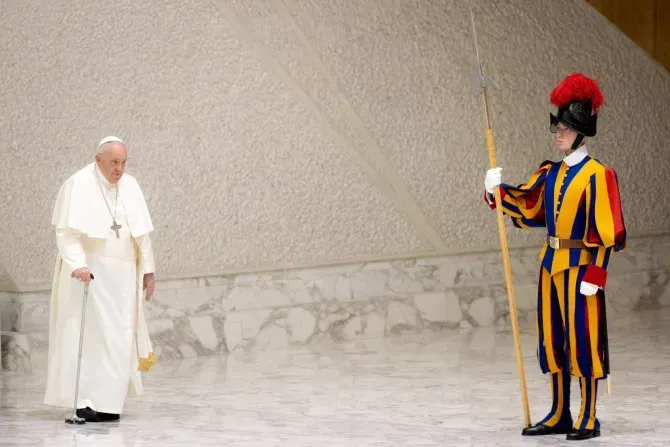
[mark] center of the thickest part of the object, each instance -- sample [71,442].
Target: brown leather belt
[557,243]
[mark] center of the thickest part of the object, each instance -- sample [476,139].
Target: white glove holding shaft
[493,179]
[587,289]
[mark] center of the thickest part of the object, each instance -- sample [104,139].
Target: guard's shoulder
[602,168]
[546,165]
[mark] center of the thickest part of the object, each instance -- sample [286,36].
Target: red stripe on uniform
[615,204]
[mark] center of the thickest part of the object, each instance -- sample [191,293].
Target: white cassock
[116,346]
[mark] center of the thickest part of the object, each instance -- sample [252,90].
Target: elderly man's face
[112,162]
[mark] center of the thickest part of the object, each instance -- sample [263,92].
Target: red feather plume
[577,87]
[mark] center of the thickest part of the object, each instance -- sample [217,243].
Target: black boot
[541,430]
[107,417]
[588,425]
[559,420]
[580,435]
[88,414]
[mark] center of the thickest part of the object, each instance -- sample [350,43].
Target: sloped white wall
[278,133]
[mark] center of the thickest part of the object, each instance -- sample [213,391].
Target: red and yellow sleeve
[607,231]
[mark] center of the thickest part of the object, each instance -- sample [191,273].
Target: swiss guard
[577,201]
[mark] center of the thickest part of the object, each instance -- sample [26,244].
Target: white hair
[111,139]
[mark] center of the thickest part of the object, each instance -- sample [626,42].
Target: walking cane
[76,419]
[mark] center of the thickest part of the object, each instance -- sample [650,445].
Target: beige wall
[295,133]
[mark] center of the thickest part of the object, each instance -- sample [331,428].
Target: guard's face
[565,137]
[112,163]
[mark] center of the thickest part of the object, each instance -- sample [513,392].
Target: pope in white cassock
[102,228]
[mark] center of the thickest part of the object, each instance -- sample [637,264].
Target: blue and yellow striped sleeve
[524,203]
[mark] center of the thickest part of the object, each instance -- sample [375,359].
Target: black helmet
[578,99]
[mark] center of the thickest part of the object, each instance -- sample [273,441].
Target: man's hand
[149,285]
[493,179]
[82,274]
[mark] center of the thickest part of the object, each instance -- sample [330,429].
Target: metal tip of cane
[75,420]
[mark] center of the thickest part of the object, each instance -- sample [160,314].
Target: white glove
[493,179]
[588,289]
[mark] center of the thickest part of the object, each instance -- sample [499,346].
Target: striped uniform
[580,203]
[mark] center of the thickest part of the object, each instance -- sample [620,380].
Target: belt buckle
[554,242]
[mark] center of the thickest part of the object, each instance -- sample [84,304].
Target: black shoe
[88,415]
[542,430]
[580,435]
[107,417]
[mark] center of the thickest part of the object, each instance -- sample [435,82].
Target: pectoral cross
[116,227]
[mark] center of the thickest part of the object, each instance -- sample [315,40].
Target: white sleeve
[146,252]
[70,248]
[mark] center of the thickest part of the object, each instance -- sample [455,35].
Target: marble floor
[433,389]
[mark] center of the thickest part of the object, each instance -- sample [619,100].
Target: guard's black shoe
[580,435]
[542,430]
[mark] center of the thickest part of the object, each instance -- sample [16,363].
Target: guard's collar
[577,156]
